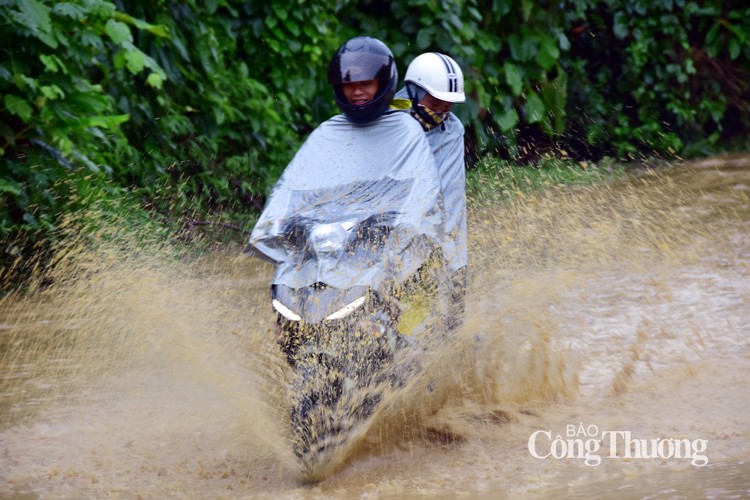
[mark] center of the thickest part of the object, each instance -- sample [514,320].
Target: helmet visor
[359,66]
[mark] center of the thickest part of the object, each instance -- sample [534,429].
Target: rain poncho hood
[346,171]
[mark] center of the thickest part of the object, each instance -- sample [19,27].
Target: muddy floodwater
[605,353]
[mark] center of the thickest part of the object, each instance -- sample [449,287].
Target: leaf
[34,15]
[154,80]
[424,38]
[619,26]
[89,102]
[56,153]
[67,9]
[18,107]
[563,41]
[102,8]
[135,60]
[49,63]
[513,77]
[52,92]
[118,32]
[53,63]
[554,95]
[734,48]
[86,161]
[527,6]
[91,40]
[280,12]
[292,27]
[454,20]
[32,83]
[534,108]
[211,6]
[508,120]
[48,39]
[7,186]
[523,47]
[548,53]
[155,29]
[112,121]
[474,13]
[119,60]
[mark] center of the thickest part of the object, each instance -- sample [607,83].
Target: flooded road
[606,352]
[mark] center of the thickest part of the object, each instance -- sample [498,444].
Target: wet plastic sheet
[448,148]
[447,143]
[346,171]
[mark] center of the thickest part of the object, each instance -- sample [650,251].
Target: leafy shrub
[204,103]
[59,113]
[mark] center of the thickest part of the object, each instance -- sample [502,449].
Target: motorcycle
[359,277]
[349,347]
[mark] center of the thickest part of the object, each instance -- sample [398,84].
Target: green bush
[59,111]
[668,76]
[202,104]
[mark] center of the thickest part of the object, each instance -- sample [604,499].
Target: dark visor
[359,66]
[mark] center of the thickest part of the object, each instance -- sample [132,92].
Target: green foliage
[59,114]
[664,75]
[621,78]
[510,50]
[202,104]
[193,102]
[230,112]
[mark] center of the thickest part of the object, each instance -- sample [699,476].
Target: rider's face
[435,104]
[359,93]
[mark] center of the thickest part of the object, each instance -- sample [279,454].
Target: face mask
[427,117]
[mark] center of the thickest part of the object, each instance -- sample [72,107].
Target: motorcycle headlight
[285,311]
[347,309]
[330,238]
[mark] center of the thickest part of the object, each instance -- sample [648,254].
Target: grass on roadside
[494,180]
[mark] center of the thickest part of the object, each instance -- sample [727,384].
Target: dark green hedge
[204,102]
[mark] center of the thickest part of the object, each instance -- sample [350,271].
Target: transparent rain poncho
[381,175]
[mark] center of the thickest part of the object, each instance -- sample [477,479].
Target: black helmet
[364,58]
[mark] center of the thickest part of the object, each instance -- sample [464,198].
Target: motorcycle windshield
[357,205]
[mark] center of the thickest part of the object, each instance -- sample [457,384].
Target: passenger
[434,82]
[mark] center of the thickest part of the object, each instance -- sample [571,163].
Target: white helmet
[438,75]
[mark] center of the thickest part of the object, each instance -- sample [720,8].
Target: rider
[378,142]
[434,82]
[367,145]
[363,75]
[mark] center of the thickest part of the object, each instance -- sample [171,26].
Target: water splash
[138,368]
